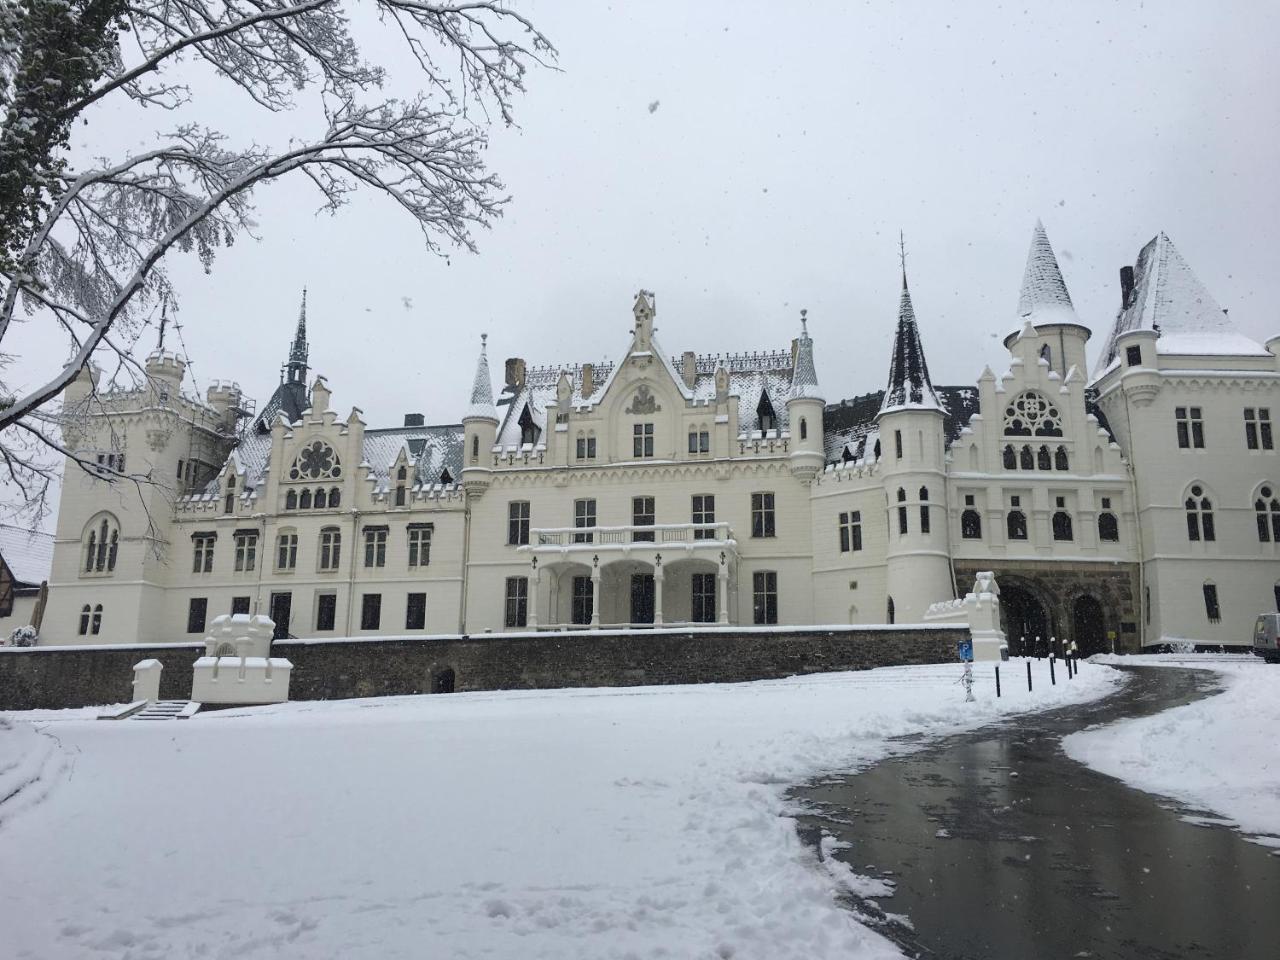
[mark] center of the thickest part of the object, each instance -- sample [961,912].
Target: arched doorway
[442,681]
[1024,618]
[1090,628]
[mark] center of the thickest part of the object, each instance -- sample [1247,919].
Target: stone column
[595,598]
[657,594]
[535,581]
[722,594]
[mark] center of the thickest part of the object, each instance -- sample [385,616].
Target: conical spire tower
[1044,297]
[296,368]
[482,405]
[804,377]
[909,386]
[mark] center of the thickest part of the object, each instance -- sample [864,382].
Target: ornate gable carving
[644,402]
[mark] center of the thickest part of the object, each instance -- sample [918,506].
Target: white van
[1266,637]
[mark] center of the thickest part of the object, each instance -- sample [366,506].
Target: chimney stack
[515,372]
[588,380]
[689,368]
[414,420]
[1126,287]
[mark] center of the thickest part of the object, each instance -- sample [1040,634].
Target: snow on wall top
[1168,297]
[909,385]
[28,554]
[1044,297]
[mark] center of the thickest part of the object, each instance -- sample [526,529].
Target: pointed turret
[804,378]
[482,406]
[909,387]
[804,409]
[1044,297]
[296,368]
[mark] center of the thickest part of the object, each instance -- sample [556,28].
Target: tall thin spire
[482,406]
[804,377]
[296,368]
[909,386]
[1044,296]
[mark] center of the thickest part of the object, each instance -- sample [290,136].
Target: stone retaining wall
[56,677]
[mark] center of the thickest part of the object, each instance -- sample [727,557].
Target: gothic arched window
[101,544]
[902,511]
[971,525]
[889,611]
[96,625]
[1267,510]
[924,509]
[304,501]
[1108,528]
[1046,354]
[322,499]
[1062,526]
[1010,457]
[1017,524]
[1060,459]
[291,500]
[804,429]
[1030,414]
[335,497]
[85,613]
[1043,460]
[1026,459]
[1199,515]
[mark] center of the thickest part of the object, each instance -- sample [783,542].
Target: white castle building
[1125,507]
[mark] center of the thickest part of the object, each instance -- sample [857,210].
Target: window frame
[370,611]
[197,614]
[516,603]
[375,547]
[517,523]
[702,509]
[415,611]
[584,518]
[764,597]
[642,441]
[764,517]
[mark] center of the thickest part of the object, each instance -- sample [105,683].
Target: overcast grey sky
[744,160]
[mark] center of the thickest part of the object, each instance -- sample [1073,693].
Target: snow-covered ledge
[237,666]
[980,609]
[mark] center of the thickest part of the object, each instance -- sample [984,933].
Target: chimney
[1126,287]
[515,372]
[588,380]
[795,351]
[689,368]
[415,420]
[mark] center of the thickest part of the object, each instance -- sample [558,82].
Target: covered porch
[634,576]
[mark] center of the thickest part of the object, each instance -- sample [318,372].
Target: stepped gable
[909,387]
[1163,293]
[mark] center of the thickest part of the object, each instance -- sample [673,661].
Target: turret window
[897,444]
[1133,356]
[924,509]
[902,511]
[1190,427]
[1257,428]
[1199,516]
[804,429]
[1267,510]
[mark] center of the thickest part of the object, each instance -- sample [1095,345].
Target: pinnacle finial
[804,322]
[902,255]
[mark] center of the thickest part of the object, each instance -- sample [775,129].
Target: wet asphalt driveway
[1001,847]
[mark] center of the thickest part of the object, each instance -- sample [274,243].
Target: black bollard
[1053,680]
[997,681]
[1070,672]
[1028,676]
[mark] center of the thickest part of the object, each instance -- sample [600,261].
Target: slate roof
[1044,297]
[290,398]
[1167,296]
[28,554]
[482,405]
[850,426]
[909,387]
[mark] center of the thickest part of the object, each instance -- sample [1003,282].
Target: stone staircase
[163,710]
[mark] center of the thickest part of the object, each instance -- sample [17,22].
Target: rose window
[317,461]
[1030,414]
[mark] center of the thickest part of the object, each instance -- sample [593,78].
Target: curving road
[1002,847]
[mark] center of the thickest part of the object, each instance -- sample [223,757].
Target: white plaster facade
[677,489]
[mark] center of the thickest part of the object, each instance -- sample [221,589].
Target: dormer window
[528,429]
[764,412]
[229,503]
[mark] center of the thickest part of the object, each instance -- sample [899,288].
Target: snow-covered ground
[608,823]
[1220,754]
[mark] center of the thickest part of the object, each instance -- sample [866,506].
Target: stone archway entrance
[1024,619]
[1089,626]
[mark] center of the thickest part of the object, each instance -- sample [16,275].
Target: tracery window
[1060,459]
[1030,414]
[1267,510]
[102,544]
[924,509]
[316,461]
[1199,516]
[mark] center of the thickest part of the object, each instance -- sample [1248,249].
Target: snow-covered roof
[1043,297]
[28,554]
[1168,297]
[909,387]
[750,375]
[850,430]
[431,450]
[290,398]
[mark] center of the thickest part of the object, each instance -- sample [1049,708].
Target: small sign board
[965,650]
